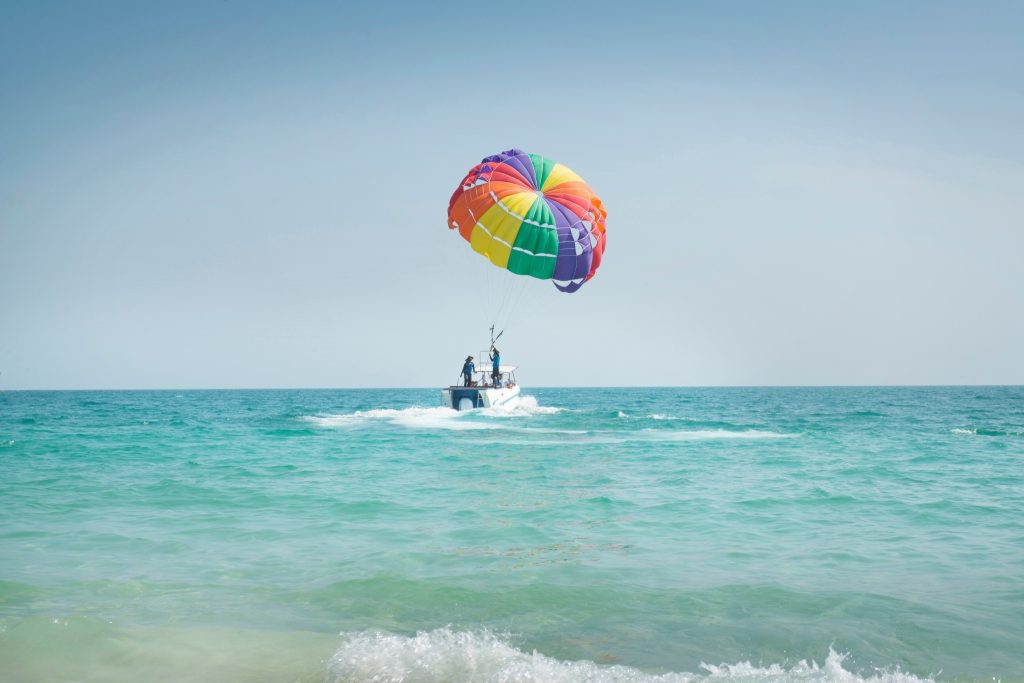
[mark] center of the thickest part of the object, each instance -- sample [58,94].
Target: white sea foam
[416,418]
[525,406]
[987,431]
[494,418]
[447,655]
[434,418]
[658,416]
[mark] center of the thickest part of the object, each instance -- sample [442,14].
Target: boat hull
[467,398]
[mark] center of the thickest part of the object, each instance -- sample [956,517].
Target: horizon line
[536,386]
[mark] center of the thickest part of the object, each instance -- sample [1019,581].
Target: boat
[481,393]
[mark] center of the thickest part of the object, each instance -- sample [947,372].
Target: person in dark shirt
[467,371]
[495,366]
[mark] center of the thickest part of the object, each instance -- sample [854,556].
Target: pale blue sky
[253,194]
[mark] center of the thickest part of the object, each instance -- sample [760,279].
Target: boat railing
[482,374]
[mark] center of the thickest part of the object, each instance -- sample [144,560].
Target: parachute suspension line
[514,291]
[493,285]
[526,288]
[507,290]
[487,283]
[495,338]
[489,291]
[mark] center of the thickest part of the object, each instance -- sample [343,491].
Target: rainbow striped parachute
[531,216]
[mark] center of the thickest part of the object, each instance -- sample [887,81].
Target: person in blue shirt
[467,371]
[495,366]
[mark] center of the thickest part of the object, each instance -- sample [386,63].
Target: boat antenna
[493,338]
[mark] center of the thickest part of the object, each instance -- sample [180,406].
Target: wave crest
[446,655]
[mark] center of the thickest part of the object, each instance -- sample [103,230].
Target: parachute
[531,216]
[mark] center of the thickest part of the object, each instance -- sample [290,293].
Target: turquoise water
[830,534]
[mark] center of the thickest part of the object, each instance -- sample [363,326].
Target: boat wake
[525,407]
[438,417]
[420,418]
[441,418]
[447,655]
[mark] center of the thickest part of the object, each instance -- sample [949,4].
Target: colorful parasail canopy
[532,216]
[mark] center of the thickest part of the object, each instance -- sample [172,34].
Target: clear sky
[244,194]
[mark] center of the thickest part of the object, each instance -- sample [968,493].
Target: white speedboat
[481,392]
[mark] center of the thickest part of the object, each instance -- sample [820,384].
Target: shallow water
[593,534]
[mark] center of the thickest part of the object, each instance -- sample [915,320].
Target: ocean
[719,534]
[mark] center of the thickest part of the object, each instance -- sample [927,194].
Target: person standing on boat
[495,366]
[467,371]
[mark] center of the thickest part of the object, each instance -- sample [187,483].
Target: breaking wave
[445,655]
